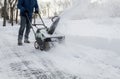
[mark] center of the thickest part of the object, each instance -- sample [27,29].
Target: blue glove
[36,11]
[26,11]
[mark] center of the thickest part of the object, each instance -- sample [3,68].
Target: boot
[19,42]
[26,41]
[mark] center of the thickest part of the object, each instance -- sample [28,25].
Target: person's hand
[26,11]
[36,11]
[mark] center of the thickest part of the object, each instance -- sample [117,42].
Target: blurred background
[50,8]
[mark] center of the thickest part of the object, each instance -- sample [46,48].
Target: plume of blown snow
[91,9]
[87,9]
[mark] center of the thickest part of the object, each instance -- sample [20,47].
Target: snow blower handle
[54,18]
[30,23]
[43,22]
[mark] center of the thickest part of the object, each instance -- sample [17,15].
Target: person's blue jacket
[28,5]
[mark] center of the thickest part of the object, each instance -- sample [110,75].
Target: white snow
[90,50]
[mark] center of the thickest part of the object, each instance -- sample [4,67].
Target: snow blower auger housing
[45,36]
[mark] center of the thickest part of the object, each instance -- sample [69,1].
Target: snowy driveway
[88,55]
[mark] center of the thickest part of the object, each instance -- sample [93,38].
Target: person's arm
[19,5]
[36,6]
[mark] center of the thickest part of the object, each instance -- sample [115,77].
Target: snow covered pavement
[90,51]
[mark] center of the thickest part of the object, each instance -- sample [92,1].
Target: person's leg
[28,26]
[21,30]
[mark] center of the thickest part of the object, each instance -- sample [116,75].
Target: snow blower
[46,36]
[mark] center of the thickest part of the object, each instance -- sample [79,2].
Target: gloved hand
[36,11]
[26,11]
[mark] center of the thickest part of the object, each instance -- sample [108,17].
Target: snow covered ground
[90,50]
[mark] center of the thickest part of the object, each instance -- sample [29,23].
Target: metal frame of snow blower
[40,43]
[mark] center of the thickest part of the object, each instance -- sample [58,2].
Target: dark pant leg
[28,26]
[22,27]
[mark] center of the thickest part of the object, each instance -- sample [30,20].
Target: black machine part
[54,25]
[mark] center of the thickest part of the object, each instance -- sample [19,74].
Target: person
[26,10]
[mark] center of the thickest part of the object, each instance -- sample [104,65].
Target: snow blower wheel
[36,45]
[39,46]
[44,46]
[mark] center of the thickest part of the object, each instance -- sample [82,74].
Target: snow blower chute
[44,36]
